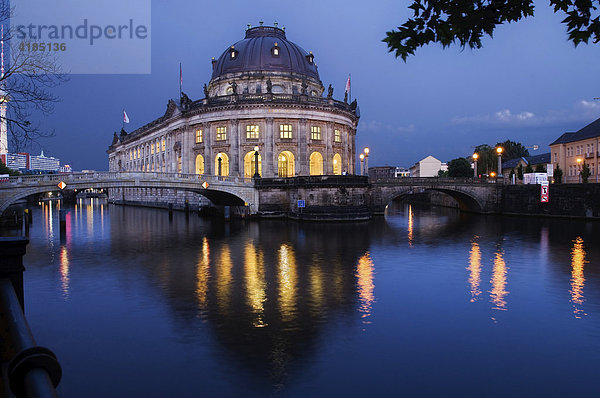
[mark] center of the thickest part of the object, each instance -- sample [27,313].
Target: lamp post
[219,161]
[492,174]
[499,152]
[475,157]
[256,174]
[579,160]
[366,151]
[362,159]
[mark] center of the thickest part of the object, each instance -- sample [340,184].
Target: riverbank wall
[565,200]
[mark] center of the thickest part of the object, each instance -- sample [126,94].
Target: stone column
[302,158]
[207,138]
[269,164]
[329,148]
[234,156]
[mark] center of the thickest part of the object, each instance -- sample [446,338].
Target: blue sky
[527,84]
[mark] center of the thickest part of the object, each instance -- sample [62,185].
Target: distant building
[382,172]
[533,161]
[27,163]
[402,172]
[428,167]
[571,150]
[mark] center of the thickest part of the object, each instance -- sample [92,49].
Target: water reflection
[224,279]
[499,292]
[366,287]
[410,226]
[255,283]
[475,269]
[577,278]
[203,274]
[64,271]
[287,282]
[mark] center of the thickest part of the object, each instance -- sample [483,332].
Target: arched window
[337,164]
[316,164]
[224,169]
[250,165]
[285,164]
[199,164]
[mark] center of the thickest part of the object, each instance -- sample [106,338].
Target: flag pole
[123,119]
[350,93]
[180,80]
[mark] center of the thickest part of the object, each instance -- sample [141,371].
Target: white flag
[125,117]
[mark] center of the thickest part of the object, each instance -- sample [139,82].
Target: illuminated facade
[571,150]
[265,95]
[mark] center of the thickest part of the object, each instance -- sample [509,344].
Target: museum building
[265,96]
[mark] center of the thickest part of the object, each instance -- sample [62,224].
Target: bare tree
[26,83]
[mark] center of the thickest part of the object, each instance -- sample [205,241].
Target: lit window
[337,136]
[252,131]
[157,146]
[275,50]
[130,155]
[151,149]
[285,131]
[315,132]
[233,53]
[163,145]
[310,58]
[221,133]
[138,153]
[198,136]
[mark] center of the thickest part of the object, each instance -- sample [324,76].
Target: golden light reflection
[64,271]
[224,278]
[577,278]
[203,274]
[366,287]
[90,217]
[316,284]
[410,226]
[287,282]
[255,283]
[475,269]
[498,293]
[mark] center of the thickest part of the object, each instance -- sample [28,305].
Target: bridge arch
[466,201]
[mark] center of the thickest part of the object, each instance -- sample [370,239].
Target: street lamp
[366,150]
[492,174]
[579,160]
[362,159]
[256,174]
[220,161]
[499,152]
[475,157]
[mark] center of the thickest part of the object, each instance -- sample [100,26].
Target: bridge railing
[44,179]
[436,181]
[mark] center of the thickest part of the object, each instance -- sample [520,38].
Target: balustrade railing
[44,179]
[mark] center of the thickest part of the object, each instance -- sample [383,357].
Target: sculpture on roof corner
[205,91]
[330,92]
[234,87]
[269,86]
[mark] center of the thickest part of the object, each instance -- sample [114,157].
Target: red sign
[545,196]
[62,185]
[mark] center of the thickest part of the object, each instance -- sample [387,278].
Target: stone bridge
[321,194]
[229,191]
[472,195]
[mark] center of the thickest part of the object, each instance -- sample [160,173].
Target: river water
[421,303]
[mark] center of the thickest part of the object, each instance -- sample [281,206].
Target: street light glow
[499,150]
[256,148]
[367,151]
[475,156]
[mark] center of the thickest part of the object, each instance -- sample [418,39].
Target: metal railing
[32,371]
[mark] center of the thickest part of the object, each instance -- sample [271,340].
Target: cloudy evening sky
[527,84]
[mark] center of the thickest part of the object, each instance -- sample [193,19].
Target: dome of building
[265,49]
